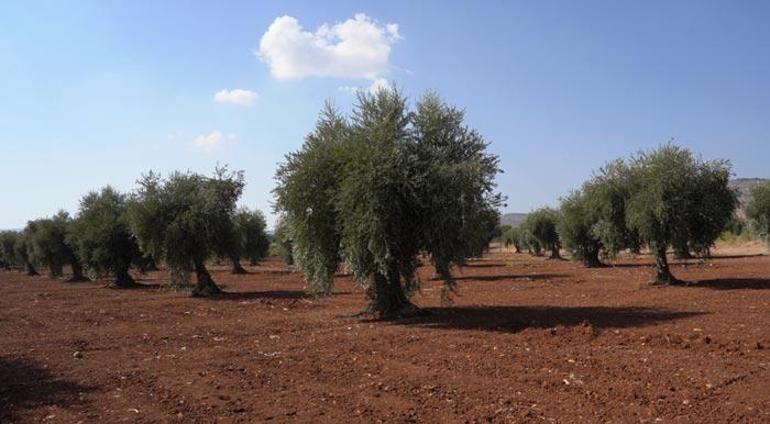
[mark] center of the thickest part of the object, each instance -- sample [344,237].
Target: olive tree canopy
[252,241]
[577,227]
[307,196]
[8,256]
[677,199]
[758,210]
[23,248]
[541,225]
[396,183]
[182,219]
[103,238]
[52,244]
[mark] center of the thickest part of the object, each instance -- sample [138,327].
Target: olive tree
[103,238]
[758,210]
[512,236]
[677,199]
[399,183]
[541,225]
[576,228]
[52,244]
[252,241]
[8,256]
[23,249]
[181,219]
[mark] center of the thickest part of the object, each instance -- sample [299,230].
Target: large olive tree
[103,238]
[386,185]
[677,199]
[182,218]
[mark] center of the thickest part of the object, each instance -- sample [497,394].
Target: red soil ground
[527,339]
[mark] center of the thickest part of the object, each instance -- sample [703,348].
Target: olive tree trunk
[662,270]
[205,285]
[123,279]
[237,268]
[31,271]
[591,259]
[387,298]
[55,270]
[555,252]
[77,273]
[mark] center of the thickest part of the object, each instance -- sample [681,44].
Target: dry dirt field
[527,340]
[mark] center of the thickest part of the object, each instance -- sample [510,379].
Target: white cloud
[212,141]
[357,48]
[237,96]
[376,85]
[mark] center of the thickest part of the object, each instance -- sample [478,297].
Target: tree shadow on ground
[483,265]
[269,294]
[734,284]
[279,271]
[141,286]
[501,277]
[631,265]
[512,319]
[752,255]
[26,385]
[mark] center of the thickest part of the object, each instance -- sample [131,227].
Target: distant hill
[743,185]
[512,219]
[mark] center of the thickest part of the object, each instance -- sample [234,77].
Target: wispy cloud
[374,87]
[213,140]
[237,96]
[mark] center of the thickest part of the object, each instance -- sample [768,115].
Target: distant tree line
[663,199]
[184,220]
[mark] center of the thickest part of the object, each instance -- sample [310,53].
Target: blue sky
[98,92]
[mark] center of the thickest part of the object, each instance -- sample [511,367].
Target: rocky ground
[527,339]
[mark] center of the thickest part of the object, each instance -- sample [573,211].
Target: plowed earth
[527,339]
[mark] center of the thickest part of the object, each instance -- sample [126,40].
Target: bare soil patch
[527,339]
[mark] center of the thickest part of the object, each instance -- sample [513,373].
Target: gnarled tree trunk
[31,271]
[387,298]
[77,273]
[555,252]
[123,279]
[55,271]
[237,268]
[591,259]
[662,270]
[205,285]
